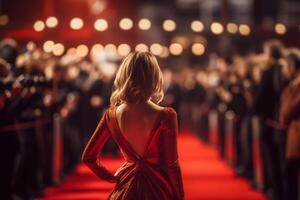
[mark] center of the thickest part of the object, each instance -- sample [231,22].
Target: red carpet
[206,177]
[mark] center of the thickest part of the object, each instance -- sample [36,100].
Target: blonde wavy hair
[138,79]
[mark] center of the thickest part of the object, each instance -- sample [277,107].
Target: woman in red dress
[145,132]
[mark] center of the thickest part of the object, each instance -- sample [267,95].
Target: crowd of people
[253,95]
[42,96]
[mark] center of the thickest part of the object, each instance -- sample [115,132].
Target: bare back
[136,122]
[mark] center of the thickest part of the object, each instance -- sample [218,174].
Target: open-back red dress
[155,175]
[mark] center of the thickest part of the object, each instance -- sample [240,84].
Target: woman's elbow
[85,158]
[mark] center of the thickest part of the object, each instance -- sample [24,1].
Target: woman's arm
[92,150]
[171,155]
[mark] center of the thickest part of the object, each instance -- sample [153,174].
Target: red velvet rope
[22,126]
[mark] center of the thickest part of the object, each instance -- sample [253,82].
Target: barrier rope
[23,126]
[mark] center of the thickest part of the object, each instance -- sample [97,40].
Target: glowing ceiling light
[144,24]
[198,49]
[51,22]
[280,29]
[76,23]
[244,29]
[123,49]
[165,52]
[197,26]
[110,49]
[100,25]
[156,49]
[141,47]
[97,48]
[48,46]
[169,25]
[39,26]
[82,50]
[72,51]
[176,49]
[58,49]
[216,28]
[232,28]
[126,24]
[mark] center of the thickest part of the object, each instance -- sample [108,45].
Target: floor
[205,177]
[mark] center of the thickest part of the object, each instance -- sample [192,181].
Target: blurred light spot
[73,72]
[216,28]
[123,49]
[48,46]
[82,50]
[232,28]
[76,23]
[96,49]
[31,46]
[165,52]
[156,49]
[169,25]
[72,51]
[126,24]
[197,26]
[144,24]
[280,29]
[198,49]
[101,25]
[58,49]
[98,6]
[51,22]
[4,20]
[244,29]
[39,26]
[110,49]
[141,47]
[176,49]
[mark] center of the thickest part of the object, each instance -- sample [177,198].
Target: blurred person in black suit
[266,105]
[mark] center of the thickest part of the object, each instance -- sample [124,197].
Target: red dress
[155,175]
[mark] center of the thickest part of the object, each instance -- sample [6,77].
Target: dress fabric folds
[154,175]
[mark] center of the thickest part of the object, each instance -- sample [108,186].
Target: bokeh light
[100,25]
[244,29]
[82,50]
[232,28]
[141,47]
[58,49]
[39,26]
[197,26]
[123,49]
[110,49]
[144,24]
[48,46]
[96,49]
[126,24]
[165,52]
[72,51]
[216,28]
[4,20]
[176,49]
[280,29]
[198,49]
[156,49]
[169,25]
[76,23]
[51,22]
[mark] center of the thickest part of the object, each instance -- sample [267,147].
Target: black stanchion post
[257,159]
[57,148]
[230,148]
[213,128]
